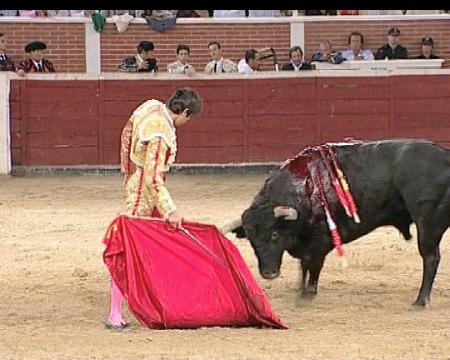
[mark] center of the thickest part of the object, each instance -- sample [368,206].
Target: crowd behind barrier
[215,13]
[144,59]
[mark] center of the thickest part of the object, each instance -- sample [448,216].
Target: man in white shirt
[228,13]
[355,51]
[249,64]
[218,64]
[181,66]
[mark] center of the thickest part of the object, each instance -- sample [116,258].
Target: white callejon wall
[5,141]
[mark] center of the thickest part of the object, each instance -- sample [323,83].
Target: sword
[203,246]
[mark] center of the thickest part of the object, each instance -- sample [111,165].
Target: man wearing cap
[36,62]
[392,50]
[427,49]
[6,63]
[143,61]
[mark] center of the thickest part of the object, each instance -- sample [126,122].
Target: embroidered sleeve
[128,65]
[154,170]
[49,66]
[24,65]
[125,144]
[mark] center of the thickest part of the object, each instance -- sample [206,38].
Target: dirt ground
[54,286]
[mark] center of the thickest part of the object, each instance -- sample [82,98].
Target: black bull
[393,182]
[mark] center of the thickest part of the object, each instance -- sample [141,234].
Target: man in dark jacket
[296,63]
[6,63]
[36,62]
[427,49]
[392,50]
[143,61]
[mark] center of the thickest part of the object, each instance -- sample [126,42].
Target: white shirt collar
[37,62]
[296,68]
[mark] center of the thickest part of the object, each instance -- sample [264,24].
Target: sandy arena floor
[54,286]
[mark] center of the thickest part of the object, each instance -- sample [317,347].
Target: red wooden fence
[78,122]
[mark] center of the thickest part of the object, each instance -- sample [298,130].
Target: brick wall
[235,39]
[65,43]
[375,35]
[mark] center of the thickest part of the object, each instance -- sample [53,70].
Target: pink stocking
[115,315]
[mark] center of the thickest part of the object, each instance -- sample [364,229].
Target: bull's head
[271,230]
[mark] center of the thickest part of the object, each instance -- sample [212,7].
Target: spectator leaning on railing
[36,62]
[143,61]
[326,54]
[249,63]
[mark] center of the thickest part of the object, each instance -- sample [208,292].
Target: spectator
[192,13]
[427,49]
[356,52]
[6,63]
[250,63]
[229,13]
[380,12]
[143,61]
[181,66]
[264,13]
[326,54]
[296,60]
[27,13]
[36,62]
[9,12]
[41,13]
[66,13]
[319,12]
[348,12]
[110,13]
[286,12]
[392,50]
[422,12]
[218,64]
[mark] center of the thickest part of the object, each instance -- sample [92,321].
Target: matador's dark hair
[185,99]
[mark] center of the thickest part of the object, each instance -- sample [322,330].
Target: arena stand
[74,117]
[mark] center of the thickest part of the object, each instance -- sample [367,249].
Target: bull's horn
[231,226]
[288,212]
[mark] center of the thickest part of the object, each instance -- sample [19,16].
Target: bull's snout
[270,275]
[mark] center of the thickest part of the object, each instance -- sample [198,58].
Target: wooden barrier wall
[78,122]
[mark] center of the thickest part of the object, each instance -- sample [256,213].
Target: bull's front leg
[304,268]
[314,267]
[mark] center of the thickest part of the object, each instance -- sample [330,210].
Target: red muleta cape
[171,281]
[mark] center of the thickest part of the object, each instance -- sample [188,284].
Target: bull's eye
[275,235]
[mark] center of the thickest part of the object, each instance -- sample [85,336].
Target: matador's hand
[175,219]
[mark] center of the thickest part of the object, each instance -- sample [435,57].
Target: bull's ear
[240,232]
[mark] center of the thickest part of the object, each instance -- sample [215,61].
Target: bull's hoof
[309,293]
[419,305]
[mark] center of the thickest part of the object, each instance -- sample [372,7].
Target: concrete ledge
[186,169]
